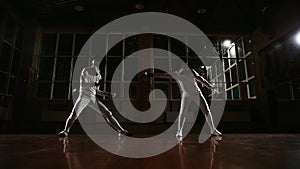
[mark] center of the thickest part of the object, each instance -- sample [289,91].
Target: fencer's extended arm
[159,75]
[203,81]
[162,75]
[103,93]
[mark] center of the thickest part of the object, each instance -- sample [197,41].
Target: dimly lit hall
[248,50]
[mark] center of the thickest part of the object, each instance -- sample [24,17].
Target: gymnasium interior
[257,42]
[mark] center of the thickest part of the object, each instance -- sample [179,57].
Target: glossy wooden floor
[234,151]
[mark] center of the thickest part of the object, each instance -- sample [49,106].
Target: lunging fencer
[187,97]
[89,89]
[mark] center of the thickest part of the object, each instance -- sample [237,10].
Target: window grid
[288,91]
[230,55]
[11,50]
[62,61]
[237,72]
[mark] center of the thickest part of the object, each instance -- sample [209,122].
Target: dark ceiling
[221,16]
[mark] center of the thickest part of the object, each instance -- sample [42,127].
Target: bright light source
[298,38]
[227,43]
[202,67]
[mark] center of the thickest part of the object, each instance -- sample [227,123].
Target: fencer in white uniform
[188,96]
[89,88]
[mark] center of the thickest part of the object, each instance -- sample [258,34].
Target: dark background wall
[270,25]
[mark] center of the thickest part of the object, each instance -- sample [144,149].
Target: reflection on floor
[234,151]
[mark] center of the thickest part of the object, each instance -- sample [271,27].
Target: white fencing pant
[186,100]
[81,103]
